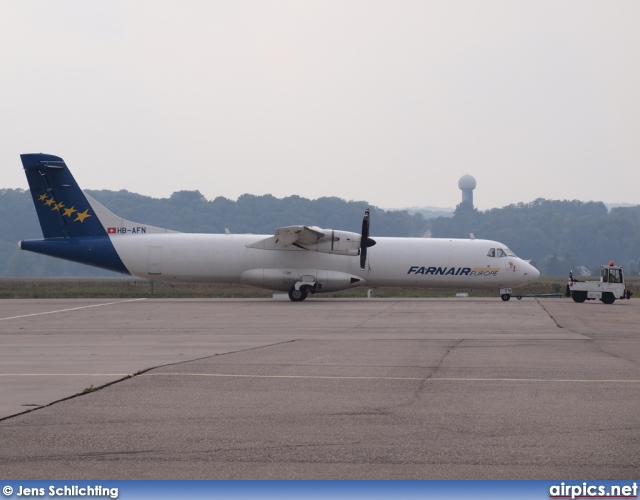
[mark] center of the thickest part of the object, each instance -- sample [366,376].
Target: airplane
[299,260]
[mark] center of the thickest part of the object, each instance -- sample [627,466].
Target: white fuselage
[299,259]
[392,262]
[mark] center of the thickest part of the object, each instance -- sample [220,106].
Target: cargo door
[154,264]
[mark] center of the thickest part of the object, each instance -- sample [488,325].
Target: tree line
[556,235]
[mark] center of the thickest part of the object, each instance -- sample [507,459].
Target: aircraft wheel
[505,297]
[579,296]
[297,295]
[608,298]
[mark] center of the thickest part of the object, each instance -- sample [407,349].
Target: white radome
[467,182]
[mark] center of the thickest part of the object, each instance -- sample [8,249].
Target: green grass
[87,390]
[76,288]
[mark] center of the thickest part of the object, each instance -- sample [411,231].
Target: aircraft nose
[533,273]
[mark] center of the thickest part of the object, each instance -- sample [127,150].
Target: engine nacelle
[338,242]
[284,279]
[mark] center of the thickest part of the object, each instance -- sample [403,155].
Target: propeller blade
[365,224]
[365,241]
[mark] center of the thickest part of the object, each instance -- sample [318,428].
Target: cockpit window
[509,252]
[501,253]
[491,252]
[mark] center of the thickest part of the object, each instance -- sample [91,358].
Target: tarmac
[459,388]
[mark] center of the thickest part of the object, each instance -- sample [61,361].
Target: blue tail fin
[62,208]
[70,226]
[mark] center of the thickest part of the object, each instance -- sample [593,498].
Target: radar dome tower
[467,184]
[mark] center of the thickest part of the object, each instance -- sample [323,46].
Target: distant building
[467,184]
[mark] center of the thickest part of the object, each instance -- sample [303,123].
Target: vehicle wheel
[505,297]
[608,298]
[297,295]
[519,297]
[579,296]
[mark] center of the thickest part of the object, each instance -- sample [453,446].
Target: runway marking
[439,379]
[64,374]
[71,309]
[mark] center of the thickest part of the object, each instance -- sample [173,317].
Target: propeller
[365,241]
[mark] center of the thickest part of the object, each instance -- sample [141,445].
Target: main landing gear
[298,295]
[301,290]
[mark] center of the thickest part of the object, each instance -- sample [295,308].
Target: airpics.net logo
[586,490]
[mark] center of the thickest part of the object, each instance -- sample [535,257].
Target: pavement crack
[111,453]
[549,314]
[77,395]
[391,306]
[423,382]
[614,355]
[139,372]
[443,357]
[364,413]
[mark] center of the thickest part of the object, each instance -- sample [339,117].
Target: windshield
[509,252]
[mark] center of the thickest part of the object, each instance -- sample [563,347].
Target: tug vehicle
[610,287]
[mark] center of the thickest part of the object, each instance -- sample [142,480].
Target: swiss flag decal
[111,230]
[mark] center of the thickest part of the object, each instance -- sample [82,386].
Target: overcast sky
[386,101]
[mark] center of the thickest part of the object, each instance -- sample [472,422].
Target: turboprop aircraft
[297,259]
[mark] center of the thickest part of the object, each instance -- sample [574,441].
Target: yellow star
[43,197]
[82,216]
[50,202]
[57,206]
[69,211]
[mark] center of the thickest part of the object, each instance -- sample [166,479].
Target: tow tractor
[610,287]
